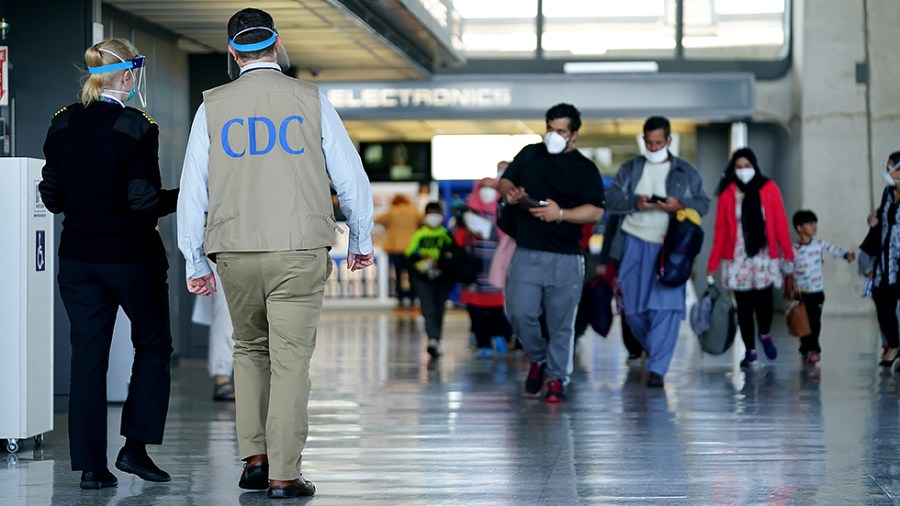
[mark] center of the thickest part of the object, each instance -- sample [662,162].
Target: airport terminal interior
[434,93]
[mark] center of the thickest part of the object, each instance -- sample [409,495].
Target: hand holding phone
[653,199]
[528,202]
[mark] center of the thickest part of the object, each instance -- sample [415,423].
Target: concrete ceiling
[328,42]
[321,36]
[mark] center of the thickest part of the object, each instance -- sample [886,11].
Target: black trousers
[886,299]
[813,302]
[400,265]
[752,302]
[488,322]
[433,297]
[92,294]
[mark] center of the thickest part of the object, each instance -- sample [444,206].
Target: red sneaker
[556,392]
[535,380]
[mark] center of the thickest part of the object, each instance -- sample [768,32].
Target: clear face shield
[281,55]
[135,66]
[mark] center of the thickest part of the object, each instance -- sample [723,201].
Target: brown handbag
[797,319]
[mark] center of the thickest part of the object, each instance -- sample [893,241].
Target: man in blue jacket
[647,190]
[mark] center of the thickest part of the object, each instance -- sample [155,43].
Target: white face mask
[745,175]
[888,180]
[434,220]
[555,143]
[657,156]
[487,194]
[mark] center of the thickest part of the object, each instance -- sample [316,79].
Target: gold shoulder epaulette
[148,118]
[60,111]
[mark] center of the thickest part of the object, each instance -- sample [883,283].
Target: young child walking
[809,255]
[430,284]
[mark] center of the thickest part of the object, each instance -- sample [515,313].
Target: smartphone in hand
[653,199]
[528,203]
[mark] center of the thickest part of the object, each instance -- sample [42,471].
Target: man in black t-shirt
[555,190]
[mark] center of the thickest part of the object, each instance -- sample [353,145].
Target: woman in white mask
[483,298]
[883,243]
[753,243]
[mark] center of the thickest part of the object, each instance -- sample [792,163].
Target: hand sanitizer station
[26,304]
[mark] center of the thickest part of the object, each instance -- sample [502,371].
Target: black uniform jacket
[102,173]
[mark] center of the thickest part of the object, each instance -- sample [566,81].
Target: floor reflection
[391,426]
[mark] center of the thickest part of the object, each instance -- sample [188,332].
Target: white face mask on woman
[434,220]
[888,179]
[657,156]
[745,175]
[487,194]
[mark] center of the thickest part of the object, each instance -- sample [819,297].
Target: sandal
[224,391]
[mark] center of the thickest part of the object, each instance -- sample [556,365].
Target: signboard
[718,97]
[4,75]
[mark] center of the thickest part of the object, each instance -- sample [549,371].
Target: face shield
[281,56]
[136,67]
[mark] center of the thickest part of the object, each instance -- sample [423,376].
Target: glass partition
[735,29]
[498,28]
[609,29]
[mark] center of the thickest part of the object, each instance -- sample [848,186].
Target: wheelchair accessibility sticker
[40,261]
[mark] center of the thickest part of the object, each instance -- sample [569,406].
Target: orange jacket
[725,234]
[400,223]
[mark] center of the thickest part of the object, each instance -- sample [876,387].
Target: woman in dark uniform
[102,173]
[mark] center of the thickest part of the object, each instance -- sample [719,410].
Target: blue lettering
[282,135]
[225,145]
[270,127]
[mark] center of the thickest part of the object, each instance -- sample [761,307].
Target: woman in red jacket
[751,236]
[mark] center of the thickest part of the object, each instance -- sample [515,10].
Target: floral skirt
[755,273]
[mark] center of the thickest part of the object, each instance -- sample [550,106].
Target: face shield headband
[281,56]
[255,46]
[137,69]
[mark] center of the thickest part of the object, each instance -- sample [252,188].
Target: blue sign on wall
[40,257]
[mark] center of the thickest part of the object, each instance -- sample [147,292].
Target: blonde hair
[94,57]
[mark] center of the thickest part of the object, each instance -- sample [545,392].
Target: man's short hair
[657,122]
[565,111]
[804,216]
[434,207]
[251,18]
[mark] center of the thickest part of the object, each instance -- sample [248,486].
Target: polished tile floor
[390,427]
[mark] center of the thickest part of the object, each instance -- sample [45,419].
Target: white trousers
[213,311]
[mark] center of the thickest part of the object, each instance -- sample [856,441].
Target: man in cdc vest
[255,198]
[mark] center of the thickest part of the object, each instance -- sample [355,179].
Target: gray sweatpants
[550,283]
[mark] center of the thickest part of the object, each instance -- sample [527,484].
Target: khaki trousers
[275,300]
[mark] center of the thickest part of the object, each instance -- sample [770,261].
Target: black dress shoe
[140,465]
[293,488]
[97,479]
[256,473]
[655,381]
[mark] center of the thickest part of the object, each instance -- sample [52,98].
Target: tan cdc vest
[268,189]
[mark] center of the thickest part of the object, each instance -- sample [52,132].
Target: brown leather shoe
[256,473]
[300,487]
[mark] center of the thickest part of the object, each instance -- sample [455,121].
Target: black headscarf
[752,220]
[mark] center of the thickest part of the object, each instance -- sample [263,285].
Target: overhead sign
[455,96]
[720,97]
[4,75]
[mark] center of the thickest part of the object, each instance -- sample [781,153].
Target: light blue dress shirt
[341,162]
